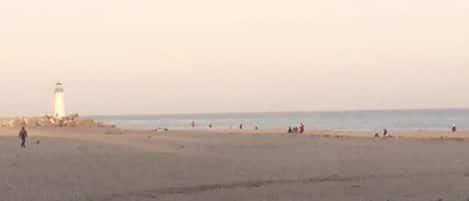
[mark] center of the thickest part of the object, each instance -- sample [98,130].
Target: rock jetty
[74,120]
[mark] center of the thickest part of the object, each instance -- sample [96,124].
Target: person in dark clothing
[385,133]
[290,130]
[23,135]
[302,127]
[454,129]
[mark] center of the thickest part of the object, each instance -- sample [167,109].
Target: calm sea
[434,119]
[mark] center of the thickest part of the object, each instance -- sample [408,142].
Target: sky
[185,56]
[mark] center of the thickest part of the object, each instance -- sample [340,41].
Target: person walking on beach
[454,129]
[23,134]
[385,133]
[302,127]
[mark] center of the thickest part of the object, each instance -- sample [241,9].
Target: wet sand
[122,165]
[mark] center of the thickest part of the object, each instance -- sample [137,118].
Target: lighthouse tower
[59,105]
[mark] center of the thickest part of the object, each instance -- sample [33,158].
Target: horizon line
[272,112]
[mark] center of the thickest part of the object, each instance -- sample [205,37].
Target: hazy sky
[178,56]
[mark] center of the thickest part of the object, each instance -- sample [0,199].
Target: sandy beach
[120,165]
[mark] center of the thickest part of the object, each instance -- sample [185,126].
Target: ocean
[376,120]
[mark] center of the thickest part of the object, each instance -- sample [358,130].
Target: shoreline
[348,133]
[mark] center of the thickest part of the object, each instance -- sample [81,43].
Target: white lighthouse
[59,105]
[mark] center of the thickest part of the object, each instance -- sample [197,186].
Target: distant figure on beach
[241,126]
[376,135]
[290,130]
[295,129]
[193,124]
[256,128]
[302,127]
[454,129]
[23,135]
[210,125]
[385,132]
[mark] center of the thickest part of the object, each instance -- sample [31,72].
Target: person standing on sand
[454,129]
[302,127]
[23,134]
